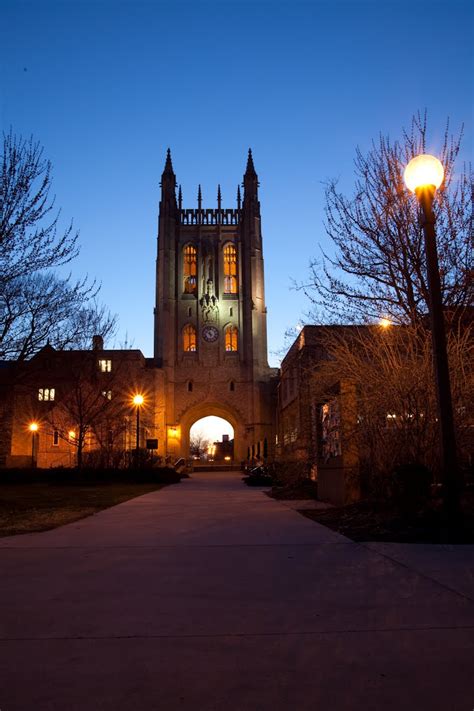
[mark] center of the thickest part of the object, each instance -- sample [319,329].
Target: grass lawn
[381,521]
[25,508]
[367,521]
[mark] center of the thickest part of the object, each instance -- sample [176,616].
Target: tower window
[189,269]
[190,311]
[232,386]
[230,269]
[231,338]
[231,311]
[189,338]
[55,438]
[105,366]
[190,386]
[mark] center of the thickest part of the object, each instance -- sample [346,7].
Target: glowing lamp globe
[138,400]
[423,170]
[34,427]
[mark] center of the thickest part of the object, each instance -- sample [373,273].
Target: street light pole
[33,429]
[138,402]
[138,430]
[423,175]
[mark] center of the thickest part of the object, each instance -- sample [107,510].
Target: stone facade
[204,292]
[315,436]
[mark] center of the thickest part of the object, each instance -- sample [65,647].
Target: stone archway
[219,410]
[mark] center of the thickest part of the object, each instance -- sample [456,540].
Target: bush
[89,476]
[411,486]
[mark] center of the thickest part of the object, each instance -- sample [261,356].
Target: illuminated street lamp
[423,175]
[34,430]
[138,402]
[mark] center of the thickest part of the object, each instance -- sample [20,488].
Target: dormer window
[46,394]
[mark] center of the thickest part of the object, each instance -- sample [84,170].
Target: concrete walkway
[208,595]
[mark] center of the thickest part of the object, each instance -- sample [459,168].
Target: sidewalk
[209,595]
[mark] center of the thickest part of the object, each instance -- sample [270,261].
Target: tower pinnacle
[251,185]
[250,166]
[168,170]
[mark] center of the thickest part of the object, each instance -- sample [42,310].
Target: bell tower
[210,316]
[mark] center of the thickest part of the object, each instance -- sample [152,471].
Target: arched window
[230,269]
[189,269]
[189,338]
[231,338]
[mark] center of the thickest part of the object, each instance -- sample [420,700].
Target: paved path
[208,595]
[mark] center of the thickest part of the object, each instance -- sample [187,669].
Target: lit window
[189,269]
[46,394]
[55,438]
[230,269]
[189,338]
[105,366]
[107,394]
[231,338]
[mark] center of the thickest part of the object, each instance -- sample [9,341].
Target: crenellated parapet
[210,216]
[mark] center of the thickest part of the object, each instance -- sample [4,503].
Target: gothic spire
[219,197]
[239,199]
[168,182]
[251,185]
[250,166]
[199,197]
[180,198]
[168,164]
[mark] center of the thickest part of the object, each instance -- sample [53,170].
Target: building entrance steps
[210,595]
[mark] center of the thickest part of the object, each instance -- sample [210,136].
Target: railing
[210,217]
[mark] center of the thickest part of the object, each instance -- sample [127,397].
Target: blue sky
[107,86]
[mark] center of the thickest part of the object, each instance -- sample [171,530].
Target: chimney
[97,343]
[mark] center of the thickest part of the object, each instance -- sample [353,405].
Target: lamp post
[138,402]
[33,429]
[423,175]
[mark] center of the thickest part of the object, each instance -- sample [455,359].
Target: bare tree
[378,265]
[199,443]
[36,306]
[90,403]
[396,403]
[43,308]
[29,236]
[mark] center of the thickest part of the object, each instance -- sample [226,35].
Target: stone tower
[210,317]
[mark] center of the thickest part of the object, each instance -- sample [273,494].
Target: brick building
[210,350]
[315,433]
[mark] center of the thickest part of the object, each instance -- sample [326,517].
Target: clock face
[210,333]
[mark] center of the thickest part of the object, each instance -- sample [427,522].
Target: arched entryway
[235,426]
[211,439]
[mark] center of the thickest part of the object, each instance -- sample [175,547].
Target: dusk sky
[107,86]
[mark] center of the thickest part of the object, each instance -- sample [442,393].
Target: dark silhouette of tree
[199,443]
[377,268]
[43,308]
[29,236]
[36,306]
[90,403]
